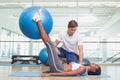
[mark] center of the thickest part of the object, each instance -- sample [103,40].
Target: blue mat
[27,65]
[37,74]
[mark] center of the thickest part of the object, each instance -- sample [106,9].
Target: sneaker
[39,11]
[37,16]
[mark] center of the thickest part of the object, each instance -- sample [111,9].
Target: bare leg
[37,18]
[43,34]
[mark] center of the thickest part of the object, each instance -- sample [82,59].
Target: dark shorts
[70,56]
[54,62]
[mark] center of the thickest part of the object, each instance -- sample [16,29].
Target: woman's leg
[54,62]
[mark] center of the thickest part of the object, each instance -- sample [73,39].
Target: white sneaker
[40,11]
[37,16]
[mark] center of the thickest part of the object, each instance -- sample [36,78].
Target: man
[57,69]
[72,46]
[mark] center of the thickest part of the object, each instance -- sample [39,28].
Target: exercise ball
[85,62]
[43,56]
[29,27]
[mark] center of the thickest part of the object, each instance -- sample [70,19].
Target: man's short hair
[72,24]
[97,72]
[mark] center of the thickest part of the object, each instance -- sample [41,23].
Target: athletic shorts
[70,56]
[54,62]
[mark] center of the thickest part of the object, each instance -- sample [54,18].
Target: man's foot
[37,16]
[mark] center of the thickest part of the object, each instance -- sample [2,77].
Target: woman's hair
[72,24]
[97,72]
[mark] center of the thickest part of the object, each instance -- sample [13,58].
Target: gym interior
[98,25]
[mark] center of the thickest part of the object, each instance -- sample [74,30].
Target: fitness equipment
[85,62]
[29,27]
[24,59]
[43,56]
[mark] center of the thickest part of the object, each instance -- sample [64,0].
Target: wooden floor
[111,69]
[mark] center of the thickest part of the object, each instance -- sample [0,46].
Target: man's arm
[80,70]
[56,42]
[80,49]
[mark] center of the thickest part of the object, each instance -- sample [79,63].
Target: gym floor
[113,70]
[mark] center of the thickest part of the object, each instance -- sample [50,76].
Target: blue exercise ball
[29,27]
[85,62]
[43,56]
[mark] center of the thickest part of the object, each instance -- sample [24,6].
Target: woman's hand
[45,75]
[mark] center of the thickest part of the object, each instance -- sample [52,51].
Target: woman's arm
[80,70]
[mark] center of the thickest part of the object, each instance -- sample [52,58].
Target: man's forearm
[81,57]
[80,53]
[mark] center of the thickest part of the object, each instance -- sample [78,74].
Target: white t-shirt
[70,43]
